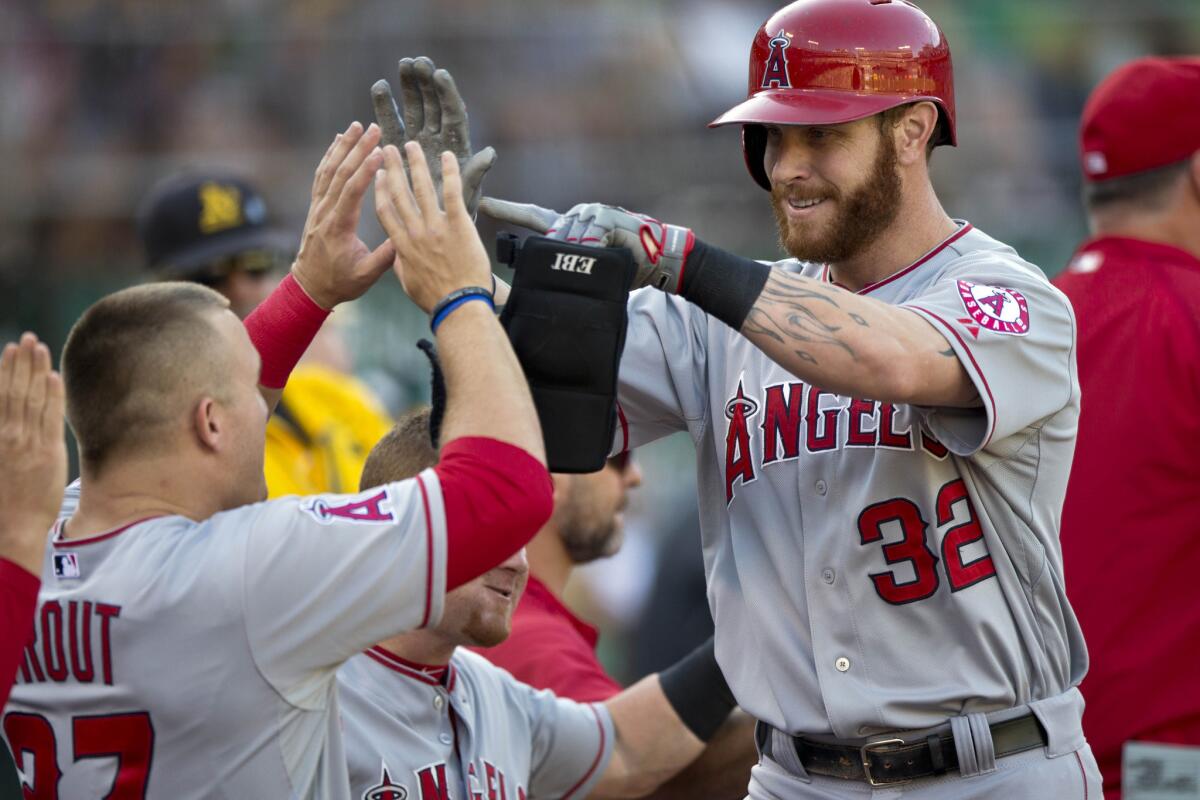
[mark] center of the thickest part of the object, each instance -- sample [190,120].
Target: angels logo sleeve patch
[994,308]
[1014,335]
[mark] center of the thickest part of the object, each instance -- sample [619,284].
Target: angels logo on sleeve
[369,509]
[994,308]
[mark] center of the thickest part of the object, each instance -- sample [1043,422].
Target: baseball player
[427,719]
[187,636]
[1132,522]
[884,426]
[34,454]
[549,646]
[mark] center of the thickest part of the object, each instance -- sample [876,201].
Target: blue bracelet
[456,299]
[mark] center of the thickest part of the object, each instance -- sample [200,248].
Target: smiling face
[479,613]
[834,188]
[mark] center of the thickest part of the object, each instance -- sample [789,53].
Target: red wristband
[282,328]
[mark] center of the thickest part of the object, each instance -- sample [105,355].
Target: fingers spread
[429,96]
[398,190]
[386,113]
[349,204]
[473,173]
[385,209]
[454,115]
[337,153]
[526,215]
[452,187]
[422,181]
[380,259]
[414,112]
[353,160]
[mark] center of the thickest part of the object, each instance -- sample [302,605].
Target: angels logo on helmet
[775,74]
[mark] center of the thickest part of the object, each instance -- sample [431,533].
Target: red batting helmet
[822,62]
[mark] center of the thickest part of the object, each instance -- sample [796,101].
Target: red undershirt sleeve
[497,496]
[18,599]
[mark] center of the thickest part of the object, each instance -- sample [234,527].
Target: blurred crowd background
[585,100]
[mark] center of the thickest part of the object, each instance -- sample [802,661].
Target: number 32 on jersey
[913,546]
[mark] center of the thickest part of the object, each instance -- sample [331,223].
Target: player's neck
[132,490]
[1177,229]
[549,561]
[920,226]
[425,647]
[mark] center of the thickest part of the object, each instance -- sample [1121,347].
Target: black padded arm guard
[566,320]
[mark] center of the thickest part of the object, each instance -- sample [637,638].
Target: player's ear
[912,134]
[207,424]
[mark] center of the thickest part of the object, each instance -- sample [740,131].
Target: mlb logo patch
[66,565]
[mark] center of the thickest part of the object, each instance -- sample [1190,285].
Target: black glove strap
[698,692]
[724,285]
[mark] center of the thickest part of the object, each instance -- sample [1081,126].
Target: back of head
[404,452]
[136,361]
[825,62]
[1139,131]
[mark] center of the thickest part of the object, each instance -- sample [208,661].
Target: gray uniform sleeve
[572,743]
[1014,334]
[327,576]
[662,377]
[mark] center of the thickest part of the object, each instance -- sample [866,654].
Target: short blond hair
[130,361]
[402,453]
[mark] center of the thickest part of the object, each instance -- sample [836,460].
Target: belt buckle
[866,762]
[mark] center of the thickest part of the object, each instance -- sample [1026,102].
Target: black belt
[890,761]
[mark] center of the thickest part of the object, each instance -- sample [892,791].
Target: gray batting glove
[435,116]
[660,250]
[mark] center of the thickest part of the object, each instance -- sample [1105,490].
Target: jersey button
[827,575]
[822,488]
[842,664]
[438,702]
[445,738]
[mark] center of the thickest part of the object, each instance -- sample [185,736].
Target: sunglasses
[255,263]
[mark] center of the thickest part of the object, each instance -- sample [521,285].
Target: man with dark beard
[884,427]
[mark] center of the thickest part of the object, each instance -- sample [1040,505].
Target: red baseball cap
[1144,115]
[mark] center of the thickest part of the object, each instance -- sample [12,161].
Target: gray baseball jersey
[476,734]
[178,659]
[871,566]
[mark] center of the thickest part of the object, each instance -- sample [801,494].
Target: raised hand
[334,265]
[437,252]
[33,452]
[659,249]
[435,117]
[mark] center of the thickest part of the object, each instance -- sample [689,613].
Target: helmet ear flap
[754,148]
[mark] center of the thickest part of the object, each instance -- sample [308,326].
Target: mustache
[783,192]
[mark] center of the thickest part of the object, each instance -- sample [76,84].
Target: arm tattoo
[949,353]
[791,311]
